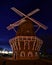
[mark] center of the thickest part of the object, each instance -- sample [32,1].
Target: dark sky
[7,16]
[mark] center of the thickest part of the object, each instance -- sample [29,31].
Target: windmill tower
[26,45]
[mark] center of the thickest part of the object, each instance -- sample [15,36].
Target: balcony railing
[21,38]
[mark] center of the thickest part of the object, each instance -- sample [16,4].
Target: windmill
[26,44]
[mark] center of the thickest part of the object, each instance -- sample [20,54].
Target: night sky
[7,16]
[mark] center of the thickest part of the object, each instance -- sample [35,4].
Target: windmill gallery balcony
[25,47]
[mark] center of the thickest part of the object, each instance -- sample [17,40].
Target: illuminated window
[22,54]
[30,54]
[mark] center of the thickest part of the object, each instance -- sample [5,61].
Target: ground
[25,62]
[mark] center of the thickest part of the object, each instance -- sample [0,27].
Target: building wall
[26,49]
[26,29]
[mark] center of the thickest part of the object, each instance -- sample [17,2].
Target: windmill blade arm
[11,26]
[17,11]
[39,24]
[19,22]
[33,12]
[21,14]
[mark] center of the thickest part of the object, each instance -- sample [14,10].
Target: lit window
[30,54]
[22,54]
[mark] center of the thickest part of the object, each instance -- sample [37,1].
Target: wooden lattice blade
[33,12]
[39,24]
[11,26]
[33,20]
[16,11]
[19,13]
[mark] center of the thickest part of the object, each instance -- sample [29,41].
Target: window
[22,54]
[30,54]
